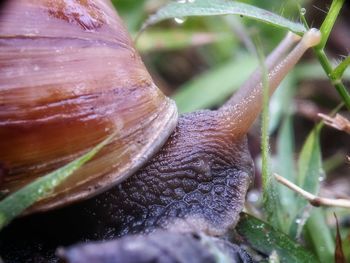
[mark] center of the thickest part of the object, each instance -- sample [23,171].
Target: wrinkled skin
[197,181]
[160,247]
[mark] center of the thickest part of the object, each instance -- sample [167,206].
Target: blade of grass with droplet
[221,7]
[214,86]
[265,239]
[16,203]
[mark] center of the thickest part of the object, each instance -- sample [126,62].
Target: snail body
[69,77]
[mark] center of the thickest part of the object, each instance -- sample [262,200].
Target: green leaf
[221,7]
[214,86]
[310,163]
[320,236]
[262,237]
[270,193]
[329,21]
[310,173]
[16,203]
[326,28]
[338,72]
[286,168]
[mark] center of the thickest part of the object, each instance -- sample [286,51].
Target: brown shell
[69,77]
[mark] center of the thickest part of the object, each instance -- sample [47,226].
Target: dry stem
[313,199]
[338,122]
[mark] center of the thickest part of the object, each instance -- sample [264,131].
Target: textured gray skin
[160,247]
[197,181]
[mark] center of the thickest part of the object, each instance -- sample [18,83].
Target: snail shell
[69,77]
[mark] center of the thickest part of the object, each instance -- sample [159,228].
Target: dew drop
[321,178]
[253,196]
[54,182]
[302,11]
[298,221]
[179,20]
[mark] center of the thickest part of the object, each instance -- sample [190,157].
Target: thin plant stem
[313,199]
[337,82]
[325,29]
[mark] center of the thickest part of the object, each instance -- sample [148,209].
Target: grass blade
[310,173]
[269,187]
[338,72]
[262,237]
[221,7]
[16,203]
[320,236]
[329,21]
[286,168]
[310,163]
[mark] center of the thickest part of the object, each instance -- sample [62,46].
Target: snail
[69,77]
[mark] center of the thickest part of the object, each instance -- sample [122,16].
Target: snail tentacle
[244,107]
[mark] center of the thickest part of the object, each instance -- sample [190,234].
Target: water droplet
[36,68]
[298,221]
[321,178]
[302,11]
[185,1]
[179,20]
[54,182]
[253,196]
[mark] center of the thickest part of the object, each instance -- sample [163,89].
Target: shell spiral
[69,77]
